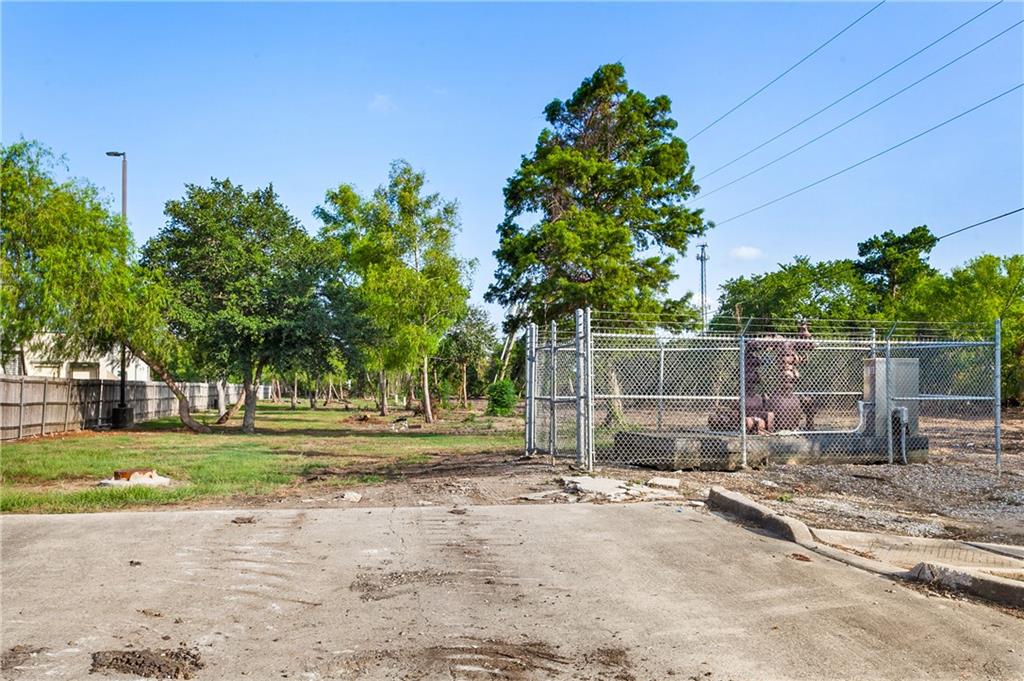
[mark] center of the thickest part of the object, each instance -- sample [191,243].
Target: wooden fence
[34,405]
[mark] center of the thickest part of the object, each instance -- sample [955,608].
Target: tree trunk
[428,415]
[250,385]
[382,382]
[465,394]
[183,406]
[222,396]
[615,407]
[230,412]
[410,392]
[506,355]
[295,391]
[314,394]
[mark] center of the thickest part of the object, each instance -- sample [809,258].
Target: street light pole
[122,415]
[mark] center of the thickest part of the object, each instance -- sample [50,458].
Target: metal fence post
[997,395]
[743,400]
[743,391]
[581,437]
[888,395]
[552,343]
[531,362]
[590,388]
[874,337]
[661,384]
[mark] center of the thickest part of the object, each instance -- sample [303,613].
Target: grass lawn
[58,474]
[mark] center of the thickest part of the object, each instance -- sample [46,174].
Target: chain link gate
[557,380]
[618,389]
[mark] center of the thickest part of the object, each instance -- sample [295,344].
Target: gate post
[589,344]
[531,367]
[888,395]
[581,436]
[997,395]
[743,399]
[552,431]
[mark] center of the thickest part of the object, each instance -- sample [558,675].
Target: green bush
[501,398]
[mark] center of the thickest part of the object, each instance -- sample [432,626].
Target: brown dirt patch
[377,587]
[18,655]
[167,663]
[477,658]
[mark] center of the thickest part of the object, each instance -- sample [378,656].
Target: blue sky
[310,95]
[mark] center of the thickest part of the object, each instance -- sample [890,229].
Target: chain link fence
[633,390]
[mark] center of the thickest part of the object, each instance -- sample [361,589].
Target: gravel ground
[956,495]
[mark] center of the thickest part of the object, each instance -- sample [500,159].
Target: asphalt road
[642,591]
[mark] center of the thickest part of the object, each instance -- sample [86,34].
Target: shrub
[501,398]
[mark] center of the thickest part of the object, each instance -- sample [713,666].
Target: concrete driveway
[640,591]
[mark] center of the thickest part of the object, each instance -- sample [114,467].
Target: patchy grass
[58,474]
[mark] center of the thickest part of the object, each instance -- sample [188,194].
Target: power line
[784,73]
[871,158]
[856,116]
[979,224]
[851,92]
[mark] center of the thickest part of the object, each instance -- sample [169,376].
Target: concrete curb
[1009,592]
[1000,590]
[739,505]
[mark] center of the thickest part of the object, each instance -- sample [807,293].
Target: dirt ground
[957,494]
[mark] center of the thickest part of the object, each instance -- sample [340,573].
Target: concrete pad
[647,591]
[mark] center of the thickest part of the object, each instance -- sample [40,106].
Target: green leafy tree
[892,262]
[468,343]
[396,254]
[982,290]
[832,289]
[604,189]
[65,257]
[234,263]
[69,276]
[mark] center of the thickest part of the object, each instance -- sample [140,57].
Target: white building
[30,362]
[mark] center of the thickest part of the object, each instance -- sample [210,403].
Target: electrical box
[905,383]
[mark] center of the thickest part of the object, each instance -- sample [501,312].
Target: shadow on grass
[430,467]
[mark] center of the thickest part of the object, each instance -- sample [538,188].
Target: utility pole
[703,258]
[123,416]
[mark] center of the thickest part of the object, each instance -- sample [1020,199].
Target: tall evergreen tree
[604,189]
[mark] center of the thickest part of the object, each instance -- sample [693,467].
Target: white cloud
[746,253]
[381,104]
